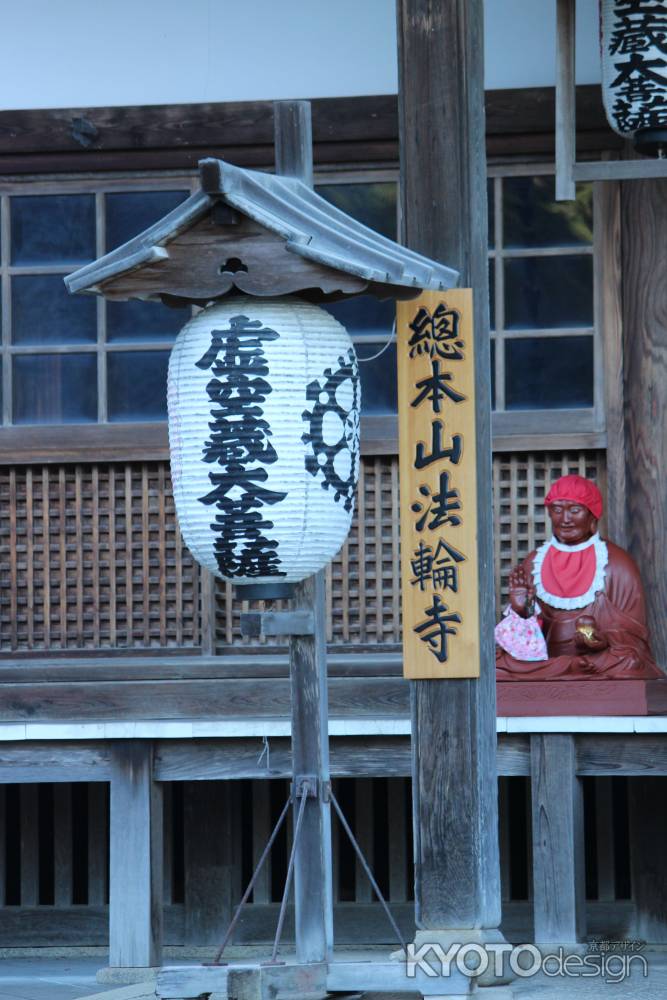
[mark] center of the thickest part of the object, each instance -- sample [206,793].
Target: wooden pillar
[558,840]
[647,812]
[313,902]
[644,265]
[207,839]
[443,197]
[135,858]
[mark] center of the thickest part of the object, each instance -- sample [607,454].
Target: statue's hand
[522,592]
[588,637]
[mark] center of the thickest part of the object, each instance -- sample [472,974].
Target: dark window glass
[131,321]
[137,385]
[364,315]
[53,229]
[378,379]
[491,212]
[129,214]
[492,295]
[493,374]
[543,373]
[55,389]
[543,292]
[372,204]
[44,312]
[532,217]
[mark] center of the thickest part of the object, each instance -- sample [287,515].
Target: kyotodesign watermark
[613,961]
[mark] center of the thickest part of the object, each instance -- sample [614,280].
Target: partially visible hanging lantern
[634,71]
[263,399]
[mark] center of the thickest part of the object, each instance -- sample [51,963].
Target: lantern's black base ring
[651,141]
[264,591]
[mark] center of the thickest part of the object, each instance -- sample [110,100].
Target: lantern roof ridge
[327,240]
[316,229]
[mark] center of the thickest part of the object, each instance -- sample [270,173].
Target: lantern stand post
[313,896]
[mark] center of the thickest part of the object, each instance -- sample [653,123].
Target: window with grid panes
[543,339]
[81,359]
[543,353]
[72,359]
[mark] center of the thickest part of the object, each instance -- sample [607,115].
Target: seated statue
[576,604]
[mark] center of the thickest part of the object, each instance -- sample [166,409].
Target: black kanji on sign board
[437,627]
[437,333]
[240,445]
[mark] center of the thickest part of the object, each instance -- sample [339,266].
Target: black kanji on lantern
[638,43]
[437,627]
[239,444]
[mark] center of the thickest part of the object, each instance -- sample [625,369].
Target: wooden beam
[565,99]
[135,865]
[444,211]
[352,130]
[558,841]
[293,132]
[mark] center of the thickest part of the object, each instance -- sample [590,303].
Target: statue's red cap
[576,489]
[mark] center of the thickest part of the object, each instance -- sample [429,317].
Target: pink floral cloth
[522,638]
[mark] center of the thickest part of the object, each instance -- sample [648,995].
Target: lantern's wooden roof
[262,234]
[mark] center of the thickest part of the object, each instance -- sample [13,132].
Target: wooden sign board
[438,482]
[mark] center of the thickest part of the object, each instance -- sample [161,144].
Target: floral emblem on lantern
[333,428]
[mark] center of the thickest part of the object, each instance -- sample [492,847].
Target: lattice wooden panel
[363,591]
[363,582]
[520,483]
[91,557]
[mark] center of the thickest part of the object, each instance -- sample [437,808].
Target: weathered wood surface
[647,811]
[565,139]
[444,212]
[254,664]
[293,134]
[361,129]
[71,926]
[207,861]
[59,761]
[310,756]
[199,699]
[558,841]
[644,256]
[135,861]
[194,267]
[632,755]
[262,624]
[609,316]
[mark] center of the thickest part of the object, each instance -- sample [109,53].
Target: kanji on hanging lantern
[263,398]
[634,70]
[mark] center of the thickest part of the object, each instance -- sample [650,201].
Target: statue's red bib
[569,576]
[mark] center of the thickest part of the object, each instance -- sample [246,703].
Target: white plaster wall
[68,53]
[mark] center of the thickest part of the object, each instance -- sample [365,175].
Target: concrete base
[120,976]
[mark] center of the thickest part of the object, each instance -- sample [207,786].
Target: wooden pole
[308,669]
[135,863]
[443,198]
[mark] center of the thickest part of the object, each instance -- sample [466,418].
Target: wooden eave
[261,234]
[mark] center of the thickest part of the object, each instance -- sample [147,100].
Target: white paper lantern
[263,399]
[634,70]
